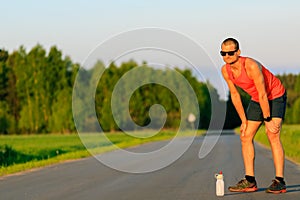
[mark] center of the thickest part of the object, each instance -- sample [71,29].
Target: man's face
[232,56]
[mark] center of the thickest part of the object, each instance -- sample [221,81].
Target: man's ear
[238,52]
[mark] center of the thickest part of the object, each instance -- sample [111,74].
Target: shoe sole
[276,191]
[254,189]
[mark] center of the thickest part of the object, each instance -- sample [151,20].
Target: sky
[267,30]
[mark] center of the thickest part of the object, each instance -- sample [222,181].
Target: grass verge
[23,152]
[290,138]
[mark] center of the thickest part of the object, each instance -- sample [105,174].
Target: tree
[61,120]
[30,87]
[59,75]
[32,83]
[290,83]
[297,85]
[295,112]
[7,122]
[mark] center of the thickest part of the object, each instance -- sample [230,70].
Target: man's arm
[254,72]
[236,99]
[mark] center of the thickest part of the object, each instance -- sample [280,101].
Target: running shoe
[276,187]
[244,186]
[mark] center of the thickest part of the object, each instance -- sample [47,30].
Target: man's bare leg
[277,149]
[248,151]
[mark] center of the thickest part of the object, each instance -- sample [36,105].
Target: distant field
[290,137]
[23,152]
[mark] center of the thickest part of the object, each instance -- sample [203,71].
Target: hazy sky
[268,30]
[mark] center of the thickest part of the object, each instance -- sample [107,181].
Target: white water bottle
[219,184]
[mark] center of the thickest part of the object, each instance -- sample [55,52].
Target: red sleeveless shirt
[274,87]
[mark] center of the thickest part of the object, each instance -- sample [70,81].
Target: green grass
[24,152]
[290,138]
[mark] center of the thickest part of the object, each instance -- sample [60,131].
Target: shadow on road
[293,188]
[290,189]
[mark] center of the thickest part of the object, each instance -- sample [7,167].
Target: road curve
[188,178]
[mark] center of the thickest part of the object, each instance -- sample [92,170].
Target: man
[268,102]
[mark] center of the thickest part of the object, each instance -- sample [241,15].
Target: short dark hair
[232,40]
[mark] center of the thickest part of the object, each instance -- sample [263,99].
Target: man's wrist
[267,119]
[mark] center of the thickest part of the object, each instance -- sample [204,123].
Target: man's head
[230,41]
[230,50]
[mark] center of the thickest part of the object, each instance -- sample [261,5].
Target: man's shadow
[289,188]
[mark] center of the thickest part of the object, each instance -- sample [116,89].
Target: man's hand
[272,127]
[243,128]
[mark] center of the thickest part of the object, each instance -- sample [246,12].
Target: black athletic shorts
[277,109]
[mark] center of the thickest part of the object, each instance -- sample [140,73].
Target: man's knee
[273,137]
[246,138]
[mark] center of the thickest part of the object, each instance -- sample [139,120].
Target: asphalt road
[188,178]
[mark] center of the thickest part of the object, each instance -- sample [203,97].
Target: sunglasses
[230,53]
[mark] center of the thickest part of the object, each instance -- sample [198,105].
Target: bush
[7,155]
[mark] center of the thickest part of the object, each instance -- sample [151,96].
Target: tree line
[35,91]
[36,94]
[142,98]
